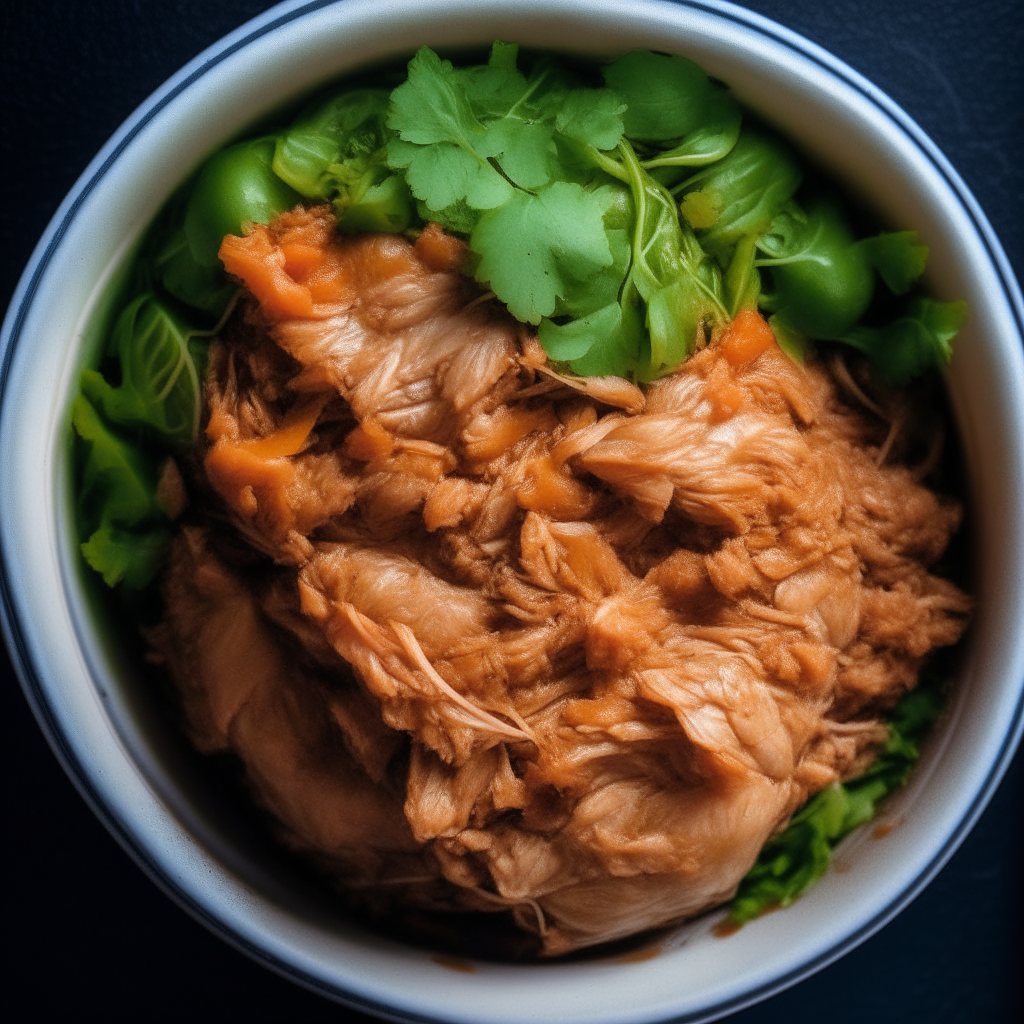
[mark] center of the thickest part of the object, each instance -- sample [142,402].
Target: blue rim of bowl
[242,37]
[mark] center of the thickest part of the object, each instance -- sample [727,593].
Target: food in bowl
[526,566]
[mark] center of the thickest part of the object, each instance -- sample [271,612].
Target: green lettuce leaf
[711,140]
[161,370]
[333,145]
[794,860]
[183,277]
[822,282]
[740,194]
[119,512]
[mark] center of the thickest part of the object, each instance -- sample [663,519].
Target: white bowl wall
[92,704]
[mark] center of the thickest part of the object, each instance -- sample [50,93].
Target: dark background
[89,936]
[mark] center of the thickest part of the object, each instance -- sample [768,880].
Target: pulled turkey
[487,637]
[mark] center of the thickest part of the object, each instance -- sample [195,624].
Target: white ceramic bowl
[138,773]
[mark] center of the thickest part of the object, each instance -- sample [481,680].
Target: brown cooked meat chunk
[491,638]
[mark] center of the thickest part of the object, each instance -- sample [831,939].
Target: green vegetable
[666,97]
[337,152]
[670,284]
[497,155]
[526,166]
[160,374]
[794,860]
[598,344]
[711,140]
[118,508]
[681,287]
[740,194]
[592,117]
[898,257]
[443,147]
[822,282]
[534,246]
[235,187]
[342,138]
[920,339]
[202,287]
[603,286]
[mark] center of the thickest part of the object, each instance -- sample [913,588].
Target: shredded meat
[491,638]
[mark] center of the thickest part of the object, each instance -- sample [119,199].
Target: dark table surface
[89,936]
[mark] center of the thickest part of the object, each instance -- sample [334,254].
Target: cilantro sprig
[567,222]
[488,151]
[628,222]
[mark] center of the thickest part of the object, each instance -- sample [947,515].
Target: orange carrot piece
[300,259]
[746,338]
[291,436]
[368,441]
[293,265]
[262,267]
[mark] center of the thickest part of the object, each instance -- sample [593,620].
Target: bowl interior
[106,714]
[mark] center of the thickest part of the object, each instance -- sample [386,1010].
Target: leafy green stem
[607,164]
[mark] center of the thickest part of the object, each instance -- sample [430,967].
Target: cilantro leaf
[534,247]
[444,173]
[573,340]
[620,344]
[919,340]
[898,257]
[492,89]
[131,558]
[602,287]
[524,149]
[456,216]
[441,143]
[431,105]
[592,116]
[603,343]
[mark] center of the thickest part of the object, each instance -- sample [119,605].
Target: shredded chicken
[487,637]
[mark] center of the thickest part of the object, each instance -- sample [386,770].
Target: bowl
[95,708]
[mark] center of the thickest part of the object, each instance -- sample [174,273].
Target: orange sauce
[454,963]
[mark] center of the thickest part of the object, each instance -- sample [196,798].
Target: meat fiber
[487,637]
